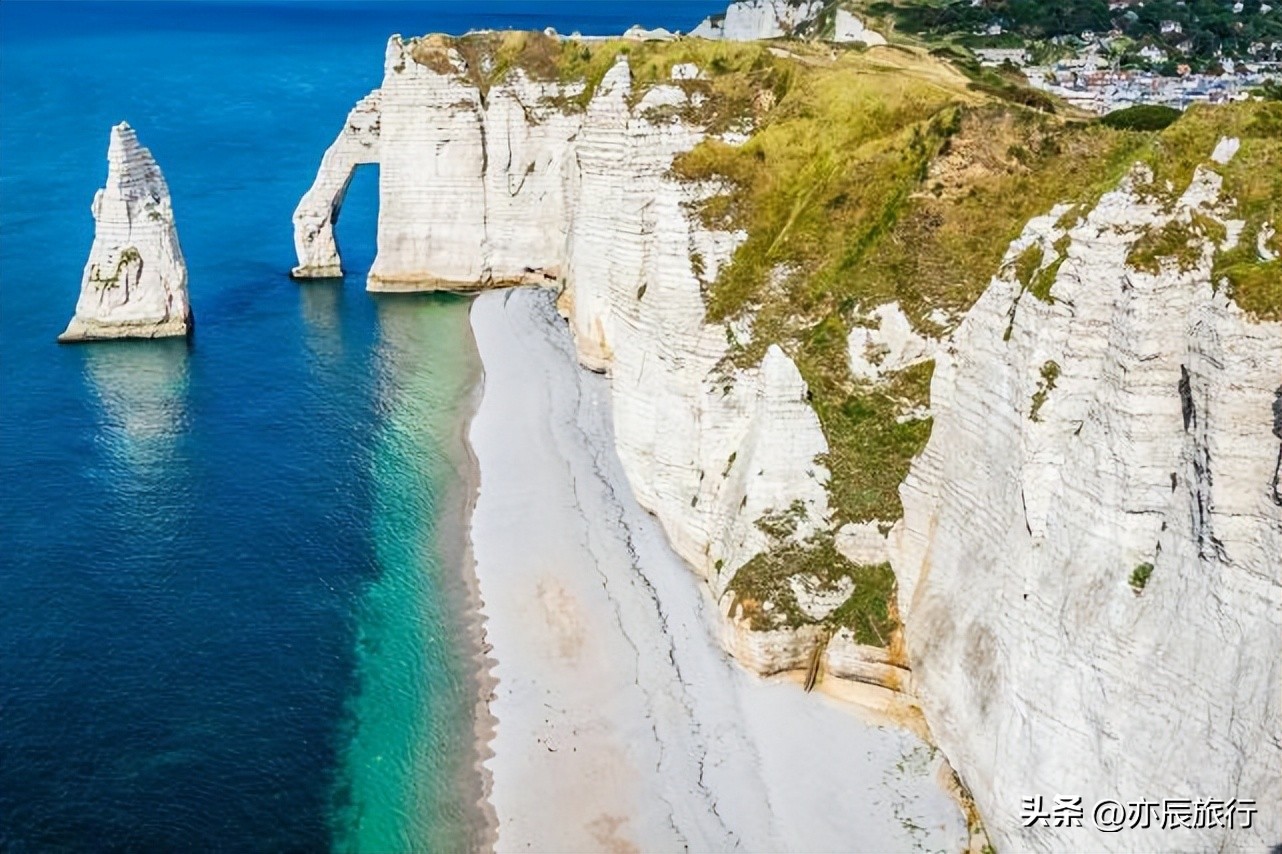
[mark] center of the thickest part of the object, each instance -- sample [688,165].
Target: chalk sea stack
[135,282]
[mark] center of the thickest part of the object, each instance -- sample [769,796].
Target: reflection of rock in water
[142,388]
[321,304]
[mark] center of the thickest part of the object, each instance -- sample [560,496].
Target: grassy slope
[871,182]
[1253,179]
[885,175]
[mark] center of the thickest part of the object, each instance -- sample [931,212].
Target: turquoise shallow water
[231,601]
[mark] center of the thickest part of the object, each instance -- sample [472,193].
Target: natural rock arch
[357,144]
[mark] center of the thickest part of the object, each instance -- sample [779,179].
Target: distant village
[1086,71]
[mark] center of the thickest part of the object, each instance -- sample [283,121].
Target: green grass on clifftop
[1252,181]
[883,176]
[736,75]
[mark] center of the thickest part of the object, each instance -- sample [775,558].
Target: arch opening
[357,144]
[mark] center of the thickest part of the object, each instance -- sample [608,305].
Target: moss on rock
[763,595]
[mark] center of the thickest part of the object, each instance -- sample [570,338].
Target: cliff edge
[1089,557]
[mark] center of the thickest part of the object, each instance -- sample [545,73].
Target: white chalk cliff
[750,20]
[357,143]
[1131,422]
[135,282]
[849,29]
[511,187]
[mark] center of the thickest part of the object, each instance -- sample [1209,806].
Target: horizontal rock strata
[135,282]
[511,184]
[1089,559]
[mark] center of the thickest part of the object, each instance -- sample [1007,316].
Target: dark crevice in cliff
[1277,431]
[1186,398]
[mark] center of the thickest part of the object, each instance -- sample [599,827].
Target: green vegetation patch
[1008,84]
[869,448]
[1253,179]
[1050,376]
[128,255]
[1044,279]
[737,79]
[1256,286]
[1145,117]
[1177,241]
[876,177]
[1176,153]
[489,57]
[1252,183]
[1001,169]
[1028,263]
[867,612]
[1140,576]
[782,524]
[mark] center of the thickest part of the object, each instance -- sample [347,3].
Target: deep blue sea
[232,598]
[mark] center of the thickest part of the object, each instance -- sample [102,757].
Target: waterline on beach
[621,721]
[409,779]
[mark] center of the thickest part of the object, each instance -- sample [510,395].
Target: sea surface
[233,596]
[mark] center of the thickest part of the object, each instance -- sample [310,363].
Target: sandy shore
[621,725]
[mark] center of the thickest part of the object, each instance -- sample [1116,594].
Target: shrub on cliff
[1145,117]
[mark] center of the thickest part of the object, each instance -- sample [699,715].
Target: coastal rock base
[88,330]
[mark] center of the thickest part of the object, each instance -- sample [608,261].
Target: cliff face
[709,449]
[1089,558]
[759,19]
[135,282]
[1087,562]
[750,20]
[506,184]
[473,185]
